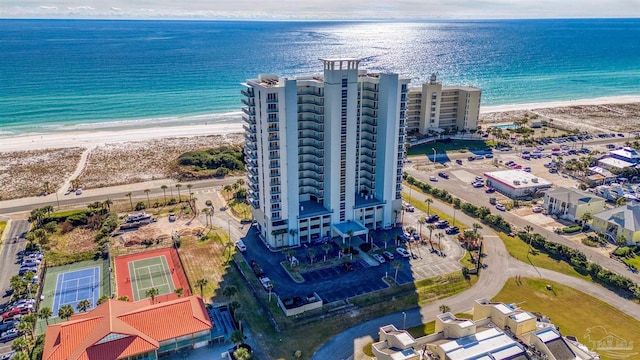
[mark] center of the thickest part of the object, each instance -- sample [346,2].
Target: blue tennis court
[77,285]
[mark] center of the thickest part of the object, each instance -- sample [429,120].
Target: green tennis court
[149,273]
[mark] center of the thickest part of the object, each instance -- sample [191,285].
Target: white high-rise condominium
[436,108]
[324,154]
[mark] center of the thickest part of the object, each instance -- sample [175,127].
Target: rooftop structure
[138,330]
[627,154]
[516,183]
[497,332]
[323,152]
[623,221]
[436,108]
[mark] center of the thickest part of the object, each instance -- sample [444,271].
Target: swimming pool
[504,126]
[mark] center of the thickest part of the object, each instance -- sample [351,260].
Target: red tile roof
[130,328]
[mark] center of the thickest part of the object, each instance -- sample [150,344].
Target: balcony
[306,166]
[253,187]
[248,93]
[304,109]
[249,128]
[249,102]
[311,135]
[274,147]
[272,101]
[368,145]
[303,126]
[272,109]
[311,92]
[311,143]
[249,111]
[310,175]
[311,118]
[367,137]
[251,146]
[311,101]
[312,183]
[274,166]
[369,105]
[274,137]
[274,156]
[314,159]
[251,170]
[373,97]
[250,137]
[251,120]
[367,176]
[367,168]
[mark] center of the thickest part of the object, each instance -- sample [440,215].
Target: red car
[15,311]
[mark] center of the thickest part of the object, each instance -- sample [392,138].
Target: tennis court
[76,285]
[150,273]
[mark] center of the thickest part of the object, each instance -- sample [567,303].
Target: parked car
[379,258]
[442,224]
[443,175]
[490,190]
[416,236]
[451,230]
[388,255]
[477,184]
[23,270]
[489,156]
[480,157]
[408,207]
[537,209]
[459,162]
[501,207]
[31,262]
[433,178]
[172,217]
[241,246]
[492,200]
[432,218]
[14,312]
[79,192]
[527,169]
[9,335]
[403,252]
[10,324]
[266,283]
[471,158]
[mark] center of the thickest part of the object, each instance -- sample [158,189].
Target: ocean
[58,75]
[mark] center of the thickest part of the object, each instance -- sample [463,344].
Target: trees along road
[500,266]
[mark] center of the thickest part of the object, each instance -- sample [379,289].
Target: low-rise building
[497,331]
[623,221]
[516,183]
[130,330]
[627,154]
[614,163]
[572,204]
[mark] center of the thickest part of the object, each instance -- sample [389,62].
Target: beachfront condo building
[324,154]
[436,108]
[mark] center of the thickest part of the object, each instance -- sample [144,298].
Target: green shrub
[229,157]
[570,229]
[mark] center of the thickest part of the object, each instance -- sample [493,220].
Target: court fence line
[176,259]
[43,274]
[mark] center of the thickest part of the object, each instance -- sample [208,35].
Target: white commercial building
[516,183]
[438,108]
[324,154]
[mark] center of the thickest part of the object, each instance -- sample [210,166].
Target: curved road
[500,266]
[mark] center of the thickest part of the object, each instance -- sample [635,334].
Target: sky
[318,9]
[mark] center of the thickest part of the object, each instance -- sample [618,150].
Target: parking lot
[335,282]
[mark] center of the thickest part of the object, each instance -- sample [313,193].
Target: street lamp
[454,216]
[404,320]
[434,154]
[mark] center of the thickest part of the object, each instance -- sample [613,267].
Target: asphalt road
[8,263]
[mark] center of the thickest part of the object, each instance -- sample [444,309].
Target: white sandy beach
[102,137]
[555,104]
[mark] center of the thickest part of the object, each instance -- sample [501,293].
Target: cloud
[319,10]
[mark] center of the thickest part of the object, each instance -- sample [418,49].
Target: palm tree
[396,265]
[621,240]
[179,291]
[311,252]
[227,189]
[385,238]
[207,212]
[237,337]
[65,312]
[240,182]
[326,247]
[350,235]
[421,221]
[190,186]
[102,299]
[242,354]
[164,193]
[83,305]
[147,191]
[440,236]
[45,313]
[293,233]
[429,201]
[108,204]
[586,217]
[476,227]
[130,201]
[431,227]
[152,293]
[229,291]
[444,308]
[20,345]
[178,186]
[201,283]
[25,327]
[20,355]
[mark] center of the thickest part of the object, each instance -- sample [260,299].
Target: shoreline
[622,99]
[136,133]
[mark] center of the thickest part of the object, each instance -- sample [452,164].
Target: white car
[433,178]
[388,255]
[379,258]
[79,192]
[501,207]
[9,334]
[241,246]
[403,252]
[31,262]
[537,209]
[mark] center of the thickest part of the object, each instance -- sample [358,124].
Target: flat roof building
[324,154]
[516,183]
[436,108]
[497,332]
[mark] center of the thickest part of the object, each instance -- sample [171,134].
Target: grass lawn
[240,209]
[206,260]
[573,311]
[518,249]
[77,245]
[294,333]
[3,225]
[454,145]
[634,261]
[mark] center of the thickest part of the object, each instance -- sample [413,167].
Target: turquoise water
[76,74]
[504,126]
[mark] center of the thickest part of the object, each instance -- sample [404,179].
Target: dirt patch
[24,173]
[131,162]
[77,241]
